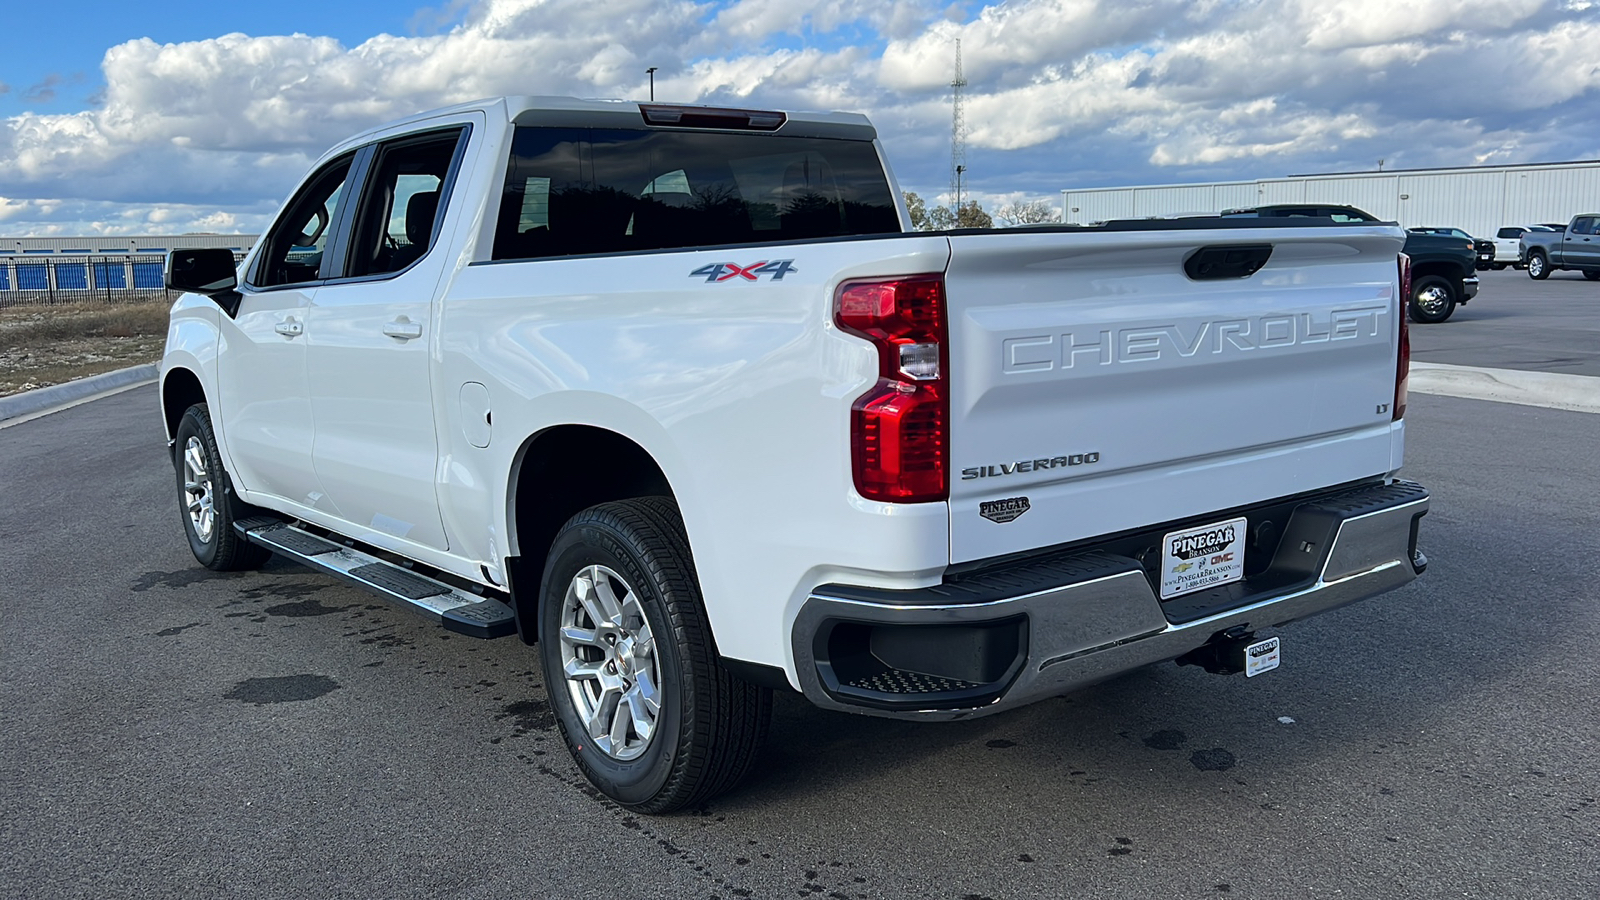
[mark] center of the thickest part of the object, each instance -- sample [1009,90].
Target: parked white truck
[674,392]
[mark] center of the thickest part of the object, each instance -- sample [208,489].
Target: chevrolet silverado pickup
[676,393]
[1575,247]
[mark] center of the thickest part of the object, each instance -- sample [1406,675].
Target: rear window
[580,191]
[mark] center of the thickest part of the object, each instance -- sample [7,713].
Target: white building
[1477,199]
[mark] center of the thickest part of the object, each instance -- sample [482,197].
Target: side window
[1506,234]
[294,246]
[1583,226]
[397,220]
[542,209]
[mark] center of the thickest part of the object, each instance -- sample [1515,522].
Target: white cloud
[217,131]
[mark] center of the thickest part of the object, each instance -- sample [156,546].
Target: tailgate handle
[1226,261]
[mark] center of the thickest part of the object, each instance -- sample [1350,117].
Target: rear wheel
[206,499]
[1433,299]
[647,712]
[1538,266]
[1592,274]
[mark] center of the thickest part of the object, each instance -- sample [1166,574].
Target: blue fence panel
[149,275]
[72,277]
[110,275]
[33,277]
[5,278]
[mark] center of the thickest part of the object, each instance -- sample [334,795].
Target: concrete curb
[1551,390]
[29,403]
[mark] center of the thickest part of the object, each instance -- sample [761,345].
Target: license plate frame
[1205,556]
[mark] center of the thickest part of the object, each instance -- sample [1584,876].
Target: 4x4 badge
[720,272]
[1003,511]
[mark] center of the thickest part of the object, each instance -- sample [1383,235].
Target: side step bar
[460,611]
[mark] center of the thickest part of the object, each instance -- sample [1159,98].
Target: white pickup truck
[674,392]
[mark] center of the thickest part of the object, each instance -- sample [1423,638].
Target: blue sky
[128,118]
[60,52]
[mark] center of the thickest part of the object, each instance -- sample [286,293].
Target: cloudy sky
[201,116]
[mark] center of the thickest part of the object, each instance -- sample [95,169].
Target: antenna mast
[958,138]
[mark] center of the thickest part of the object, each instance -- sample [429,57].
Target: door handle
[403,328]
[289,327]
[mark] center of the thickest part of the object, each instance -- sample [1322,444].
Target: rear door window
[395,225]
[581,191]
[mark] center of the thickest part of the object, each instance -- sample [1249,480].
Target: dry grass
[45,345]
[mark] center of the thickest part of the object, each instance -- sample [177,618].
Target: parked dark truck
[1443,267]
[1578,247]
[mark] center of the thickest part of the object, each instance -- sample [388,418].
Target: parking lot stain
[528,715]
[1214,760]
[302,609]
[282,689]
[180,578]
[1000,744]
[1166,739]
[177,629]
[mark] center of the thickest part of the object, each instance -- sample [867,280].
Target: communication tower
[958,137]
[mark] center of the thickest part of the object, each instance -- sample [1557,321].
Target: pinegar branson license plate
[1198,558]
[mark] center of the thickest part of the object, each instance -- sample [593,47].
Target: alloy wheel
[608,655]
[197,493]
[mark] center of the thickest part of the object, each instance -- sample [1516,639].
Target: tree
[943,218]
[971,215]
[919,212]
[1027,212]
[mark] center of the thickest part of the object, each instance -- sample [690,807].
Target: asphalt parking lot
[169,731]
[1518,323]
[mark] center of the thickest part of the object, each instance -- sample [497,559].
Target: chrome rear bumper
[1009,636]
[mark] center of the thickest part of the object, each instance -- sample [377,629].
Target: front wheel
[206,499]
[1433,300]
[1538,267]
[651,717]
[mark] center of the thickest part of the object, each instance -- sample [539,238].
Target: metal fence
[58,278]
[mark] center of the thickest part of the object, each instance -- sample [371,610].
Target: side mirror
[208,271]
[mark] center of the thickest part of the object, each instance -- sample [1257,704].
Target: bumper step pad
[456,609]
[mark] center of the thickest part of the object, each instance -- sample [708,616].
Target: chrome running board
[456,609]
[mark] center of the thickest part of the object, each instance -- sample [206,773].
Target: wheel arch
[1447,270]
[555,474]
[180,389]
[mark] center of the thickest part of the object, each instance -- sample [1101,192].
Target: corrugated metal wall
[1477,200]
[102,244]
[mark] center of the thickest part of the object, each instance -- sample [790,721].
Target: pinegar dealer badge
[1003,511]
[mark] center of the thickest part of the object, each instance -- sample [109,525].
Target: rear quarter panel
[740,390]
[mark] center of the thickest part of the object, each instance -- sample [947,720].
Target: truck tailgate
[1096,387]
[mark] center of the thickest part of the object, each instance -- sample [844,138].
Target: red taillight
[1402,370]
[899,430]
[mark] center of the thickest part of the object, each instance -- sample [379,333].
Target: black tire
[1538,266]
[710,725]
[1498,266]
[1433,299]
[220,547]
[1592,274]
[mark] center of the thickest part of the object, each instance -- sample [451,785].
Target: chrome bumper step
[458,610]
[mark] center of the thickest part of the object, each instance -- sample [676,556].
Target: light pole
[652,73]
